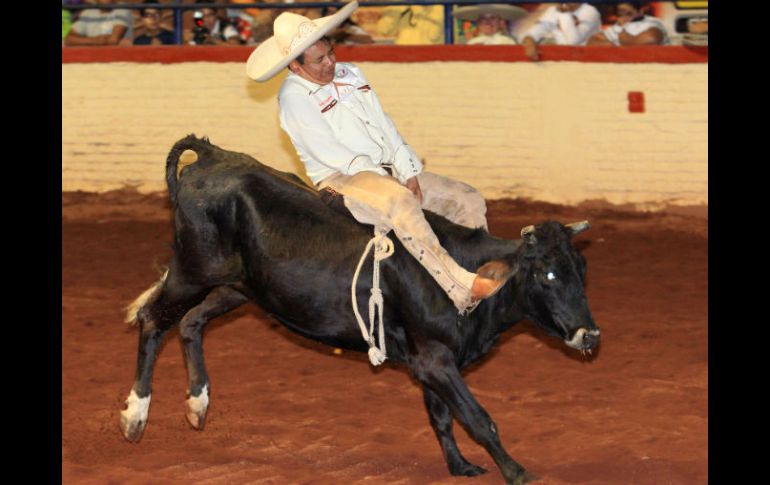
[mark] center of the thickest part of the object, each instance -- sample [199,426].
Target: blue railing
[179,8]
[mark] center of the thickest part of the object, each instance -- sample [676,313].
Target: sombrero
[472,12]
[292,35]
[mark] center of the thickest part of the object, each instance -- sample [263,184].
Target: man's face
[209,18]
[151,18]
[489,24]
[319,63]
[626,12]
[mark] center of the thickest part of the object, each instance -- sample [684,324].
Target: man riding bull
[350,146]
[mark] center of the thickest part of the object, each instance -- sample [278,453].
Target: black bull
[245,231]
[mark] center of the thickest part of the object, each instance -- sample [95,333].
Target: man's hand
[530,48]
[413,185]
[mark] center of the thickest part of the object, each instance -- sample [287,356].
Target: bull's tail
[201,146]
[149,295]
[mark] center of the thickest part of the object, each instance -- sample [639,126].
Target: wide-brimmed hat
[292,35]
[472,12]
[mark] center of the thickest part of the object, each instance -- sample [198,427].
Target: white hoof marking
[138,408]
[197,406]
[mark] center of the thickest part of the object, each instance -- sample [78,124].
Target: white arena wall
[557,131]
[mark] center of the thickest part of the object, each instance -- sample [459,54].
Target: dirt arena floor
[285,410]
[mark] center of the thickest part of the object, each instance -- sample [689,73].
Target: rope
[383,248]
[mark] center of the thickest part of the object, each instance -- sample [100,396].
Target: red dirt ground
[285,410]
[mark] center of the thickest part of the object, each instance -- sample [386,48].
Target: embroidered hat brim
[269,58]
[508,12]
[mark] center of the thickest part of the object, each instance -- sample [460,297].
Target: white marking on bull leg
[577,339]
[134,418]
[133,309]
[197,407]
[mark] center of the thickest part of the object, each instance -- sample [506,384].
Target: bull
[247,232]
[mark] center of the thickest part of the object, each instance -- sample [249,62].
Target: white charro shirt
[341,127]
[92,22]
[635,28]
[498,38]
[567,28]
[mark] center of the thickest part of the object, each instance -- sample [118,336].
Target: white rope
[383,248]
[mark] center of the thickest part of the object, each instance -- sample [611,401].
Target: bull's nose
[591,339]
[584,339]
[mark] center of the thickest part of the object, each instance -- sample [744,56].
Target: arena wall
[559,131]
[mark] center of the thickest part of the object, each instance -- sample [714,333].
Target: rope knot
[376,356]
[383,248]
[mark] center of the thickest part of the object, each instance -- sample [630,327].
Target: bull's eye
[550,275]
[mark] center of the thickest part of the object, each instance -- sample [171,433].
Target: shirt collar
[342,75]
[309,85]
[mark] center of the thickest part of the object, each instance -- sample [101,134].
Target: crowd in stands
[530,25]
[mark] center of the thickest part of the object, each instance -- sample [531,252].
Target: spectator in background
[567,23]
[697,32]
[154,33]
[66,24]
[633,27]
[211,29]
[413,24]
[350,33]
[492,22]
[102,26]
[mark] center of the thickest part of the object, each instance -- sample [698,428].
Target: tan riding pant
[382,201]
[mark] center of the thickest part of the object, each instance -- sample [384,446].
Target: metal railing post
[449,24]
[177,24]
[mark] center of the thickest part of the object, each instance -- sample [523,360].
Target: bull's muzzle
[584,339]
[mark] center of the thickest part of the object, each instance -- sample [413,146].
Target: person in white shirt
[491,20]
[349,145]
[633,27]
[566,23]
[101,26]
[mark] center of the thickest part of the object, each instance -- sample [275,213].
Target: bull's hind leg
[434,366]
[441,420]
[164,308]
[220,301]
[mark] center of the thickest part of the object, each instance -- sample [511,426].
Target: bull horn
[578,227]
[528,233]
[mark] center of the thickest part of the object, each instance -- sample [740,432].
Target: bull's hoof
[132,429]
[197,406]
[522,477]
[468,470]
[196,420]
[133,419]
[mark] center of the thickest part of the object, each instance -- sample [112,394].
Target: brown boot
[485,287]
[490,277]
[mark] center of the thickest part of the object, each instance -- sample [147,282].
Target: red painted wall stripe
[393,53]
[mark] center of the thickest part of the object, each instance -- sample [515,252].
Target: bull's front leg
[434,366]
[220,301]
[441,421]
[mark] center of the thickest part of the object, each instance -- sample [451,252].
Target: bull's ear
[528,234]
[578,227]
